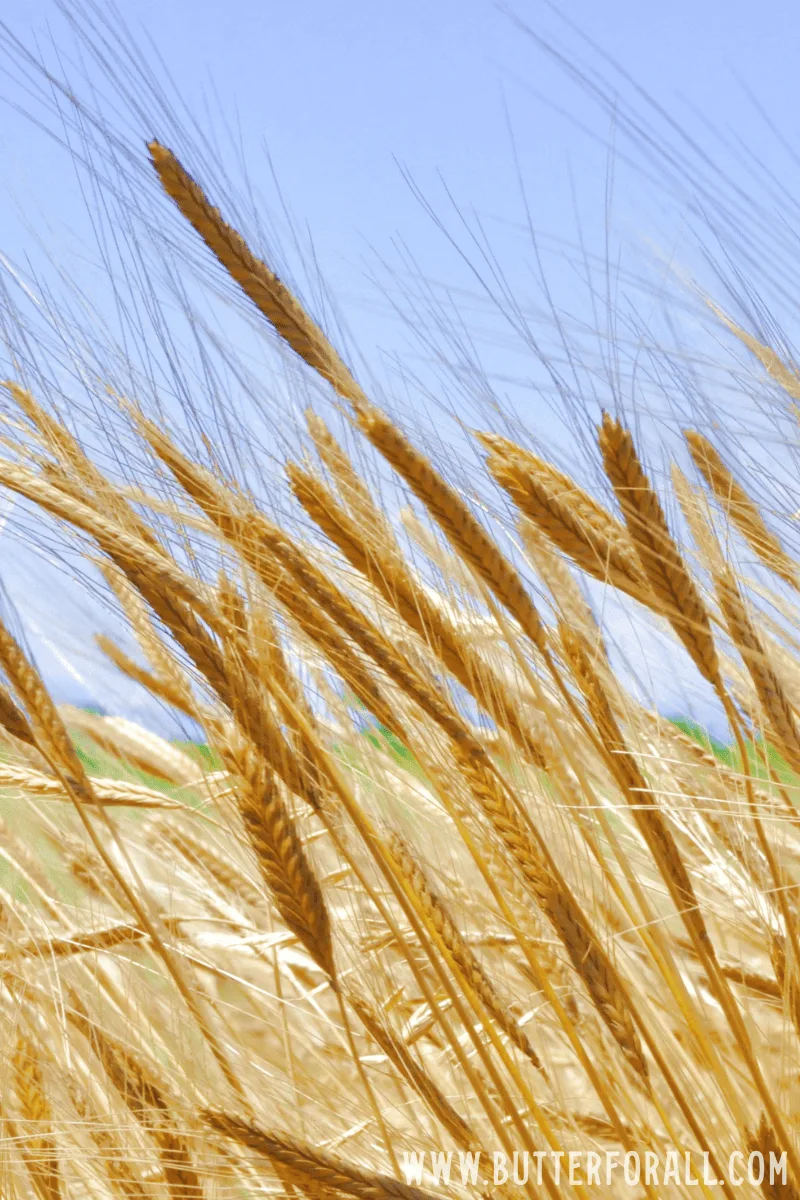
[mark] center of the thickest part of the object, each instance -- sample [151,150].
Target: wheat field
[433,879]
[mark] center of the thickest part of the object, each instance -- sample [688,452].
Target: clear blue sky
[346,97]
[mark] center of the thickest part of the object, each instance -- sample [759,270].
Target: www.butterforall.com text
[591,1168]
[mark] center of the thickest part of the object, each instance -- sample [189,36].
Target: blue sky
[363,107]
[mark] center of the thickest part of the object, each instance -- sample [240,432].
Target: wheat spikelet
[696,513]
[786,980]
[130,552]
[564,486]
[662,562]
[741,510]
[317,608]
[560,581]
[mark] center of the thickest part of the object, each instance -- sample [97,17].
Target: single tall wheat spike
[291,321]
[254,277]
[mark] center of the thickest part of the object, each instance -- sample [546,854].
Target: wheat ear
[311,1170]
[672,585]
[39,1150]
[146,1100]
[109,793]
[463,958]
[599,545]
[160,688]
[740,509]
[76,943]
[773,364]
[262,286]
[281,857]
[291,321]
[772,696]
[352,488]
[412,1071]
[560,906]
